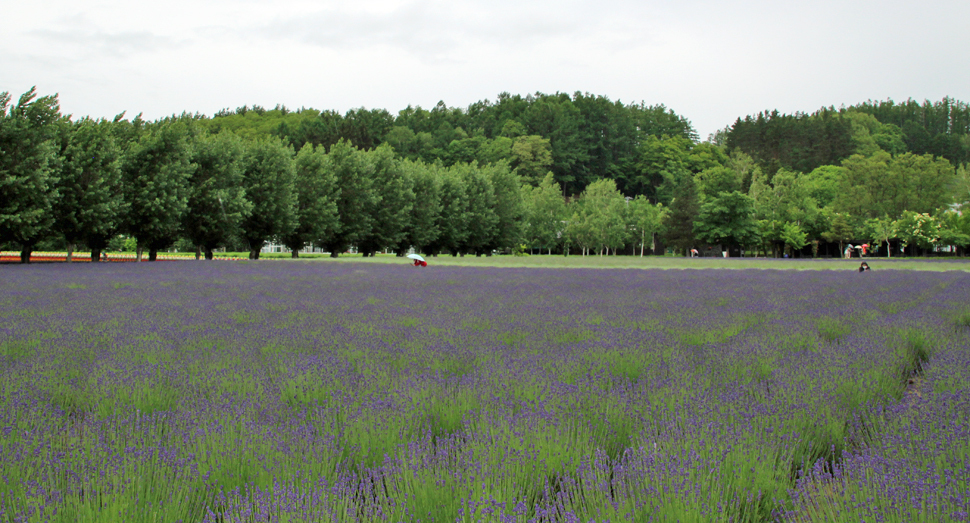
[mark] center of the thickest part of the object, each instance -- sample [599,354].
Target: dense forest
[555,172]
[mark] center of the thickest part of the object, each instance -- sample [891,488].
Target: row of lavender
[324,392]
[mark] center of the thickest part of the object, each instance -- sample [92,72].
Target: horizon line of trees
[237,179]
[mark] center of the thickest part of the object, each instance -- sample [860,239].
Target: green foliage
[954,228]
[882,185]
[805,142]
[28,167]
[156,171]
[316,199]
[824,184]
[870,136]
[510,206]
[90,203]
[866,162]
[662,168]
[793,236]
[645,219]
[531,158]
[452,221]
[422,224]
[217,201]
[842,229]
[603,207]
[482,222]
[546,213]
[882,229]
[715,180]
[919,229]
[268,177]
[679,223]
[357,195]
[800,142]
[391,207]
[936,128]
[727,218]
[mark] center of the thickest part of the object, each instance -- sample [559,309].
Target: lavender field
[290,392]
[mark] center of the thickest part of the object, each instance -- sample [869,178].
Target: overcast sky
[709,61]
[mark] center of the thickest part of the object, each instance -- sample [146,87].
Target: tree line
[85,182]
[557,173]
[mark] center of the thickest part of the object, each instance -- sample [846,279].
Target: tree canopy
[563,173]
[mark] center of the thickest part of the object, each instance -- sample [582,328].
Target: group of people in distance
[863,249]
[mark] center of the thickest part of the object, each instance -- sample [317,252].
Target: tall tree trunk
[25,254]
[334,253]
[208,253]
[254,254]
[138,251]
[294,253]
[198,252]
[152,254]
[70,252]
[95,255]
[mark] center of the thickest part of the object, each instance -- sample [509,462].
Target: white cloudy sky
[709,61]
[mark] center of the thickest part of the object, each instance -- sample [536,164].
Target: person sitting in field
[864,267]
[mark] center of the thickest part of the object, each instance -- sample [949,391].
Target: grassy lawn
[670,262]
[597,262]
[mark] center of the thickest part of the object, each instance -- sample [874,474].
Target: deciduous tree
[268,177]
[28,169]
[547,214]
[354,179]
[645,219]
[217,202]
[391,206]
[727,219]
[452,221]
[679,223]
[316,200]
[155,173]
[90,203]
[482,224]
[423,225]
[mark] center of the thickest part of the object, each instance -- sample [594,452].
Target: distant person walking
[848,251]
